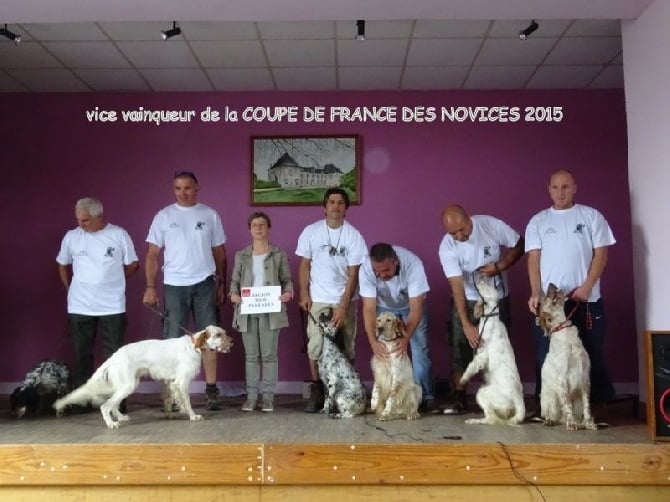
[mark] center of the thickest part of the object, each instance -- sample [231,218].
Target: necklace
[333,250]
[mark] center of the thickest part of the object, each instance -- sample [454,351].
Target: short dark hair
[259,214]
[382,251]
[186,174]
[337,191]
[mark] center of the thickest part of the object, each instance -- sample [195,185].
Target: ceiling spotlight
[360,30]
[172,32]
[11,36]
[523,34]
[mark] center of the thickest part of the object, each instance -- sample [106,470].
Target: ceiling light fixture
[172,32]
[10,35]
[523,34]
[360,30]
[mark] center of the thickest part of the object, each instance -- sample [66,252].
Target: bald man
[567,245]
[473,244]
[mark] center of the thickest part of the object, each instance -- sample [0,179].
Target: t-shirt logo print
[200,225]
[110,252]
[487,251]
[579,228]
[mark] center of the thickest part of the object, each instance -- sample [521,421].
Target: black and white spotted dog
[345,394]
[45,383]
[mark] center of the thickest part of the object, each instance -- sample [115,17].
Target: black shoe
[316,397]
[78,409]
[457,404]
[428,405]
[213,399]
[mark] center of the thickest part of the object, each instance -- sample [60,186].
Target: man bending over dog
[331,252]
[393,280]
[473,244]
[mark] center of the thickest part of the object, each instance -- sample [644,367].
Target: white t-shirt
[188,235]
[331,252]
[566,239]
[410,282]
[98,284]
[258,269]
[481,248]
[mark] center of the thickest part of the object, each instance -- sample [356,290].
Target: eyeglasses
[185,174]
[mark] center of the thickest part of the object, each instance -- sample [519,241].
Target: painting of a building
[289,174]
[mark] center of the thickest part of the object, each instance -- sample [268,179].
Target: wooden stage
[232,455]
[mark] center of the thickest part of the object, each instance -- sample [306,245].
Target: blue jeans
[602,389]
[181,301]
[83,329]
[419,350]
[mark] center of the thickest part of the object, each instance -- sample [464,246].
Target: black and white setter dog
[45,383]
[345,394]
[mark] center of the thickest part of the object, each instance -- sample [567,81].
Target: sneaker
[267,405]
[249,405]
[78,409]
[213,399]
[456,405]
[316,397]
[428,405]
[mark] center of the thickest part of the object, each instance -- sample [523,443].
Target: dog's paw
[195,417]
[590,425]
[571,425]
[385,416]
[548,422]
[413,415]
[112,424]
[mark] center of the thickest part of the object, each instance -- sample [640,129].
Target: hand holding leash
[150,298]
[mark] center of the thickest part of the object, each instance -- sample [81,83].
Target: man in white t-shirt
[393,280]
[472,246]
[93,263]
[194,269]
[567,245]
[331,252]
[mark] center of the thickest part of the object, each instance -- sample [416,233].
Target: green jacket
[277,273]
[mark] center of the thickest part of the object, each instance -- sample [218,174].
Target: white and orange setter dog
[175,361]
[395,394]
[501,395]
[566,383]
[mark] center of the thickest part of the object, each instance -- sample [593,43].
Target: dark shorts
[181,301]
[461,352]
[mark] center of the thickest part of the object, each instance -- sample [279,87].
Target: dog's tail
[96,390]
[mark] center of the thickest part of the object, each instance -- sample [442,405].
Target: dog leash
[165,317]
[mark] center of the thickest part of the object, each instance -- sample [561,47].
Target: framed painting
[297,170]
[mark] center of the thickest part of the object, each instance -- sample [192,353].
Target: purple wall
[52,156]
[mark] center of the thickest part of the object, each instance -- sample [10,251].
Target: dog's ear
[552,290]
[399,326]
[479,309]
[200,338]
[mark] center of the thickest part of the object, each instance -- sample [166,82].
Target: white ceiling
[74,46]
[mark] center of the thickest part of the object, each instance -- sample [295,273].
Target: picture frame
[297,170]
[657,345]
